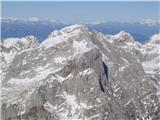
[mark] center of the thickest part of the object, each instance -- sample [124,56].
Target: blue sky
[71,12]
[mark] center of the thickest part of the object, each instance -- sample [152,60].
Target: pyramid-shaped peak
[123,36]
[74,27]
[69,29]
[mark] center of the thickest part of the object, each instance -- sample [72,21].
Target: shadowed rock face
[76,74]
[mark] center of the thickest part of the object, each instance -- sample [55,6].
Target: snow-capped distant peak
[149,22]
[30,19]
[34,19]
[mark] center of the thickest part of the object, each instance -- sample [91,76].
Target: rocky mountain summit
[76,74]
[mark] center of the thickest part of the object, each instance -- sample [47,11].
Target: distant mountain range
[15,27]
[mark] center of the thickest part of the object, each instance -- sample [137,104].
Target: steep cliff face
[76,74]
[148,54]
[130,93]
[151,51]
[151,64]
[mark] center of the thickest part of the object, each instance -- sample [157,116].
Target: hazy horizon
[83,12]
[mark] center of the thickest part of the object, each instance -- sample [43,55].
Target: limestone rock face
[151,52]
[75,74]
[59,81]
[151,63]
[130,93]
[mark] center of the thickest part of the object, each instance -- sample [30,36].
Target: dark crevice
[105,70]
[101,86]
[102,83]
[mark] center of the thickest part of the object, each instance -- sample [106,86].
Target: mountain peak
[76,32]
[155,39]
[67,29]
[26,42]
[123,37]
[74,27]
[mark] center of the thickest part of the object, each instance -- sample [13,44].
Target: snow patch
[27,81]
[71,99]
[59,59]
[86,72]
[82,46]
[49,107]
